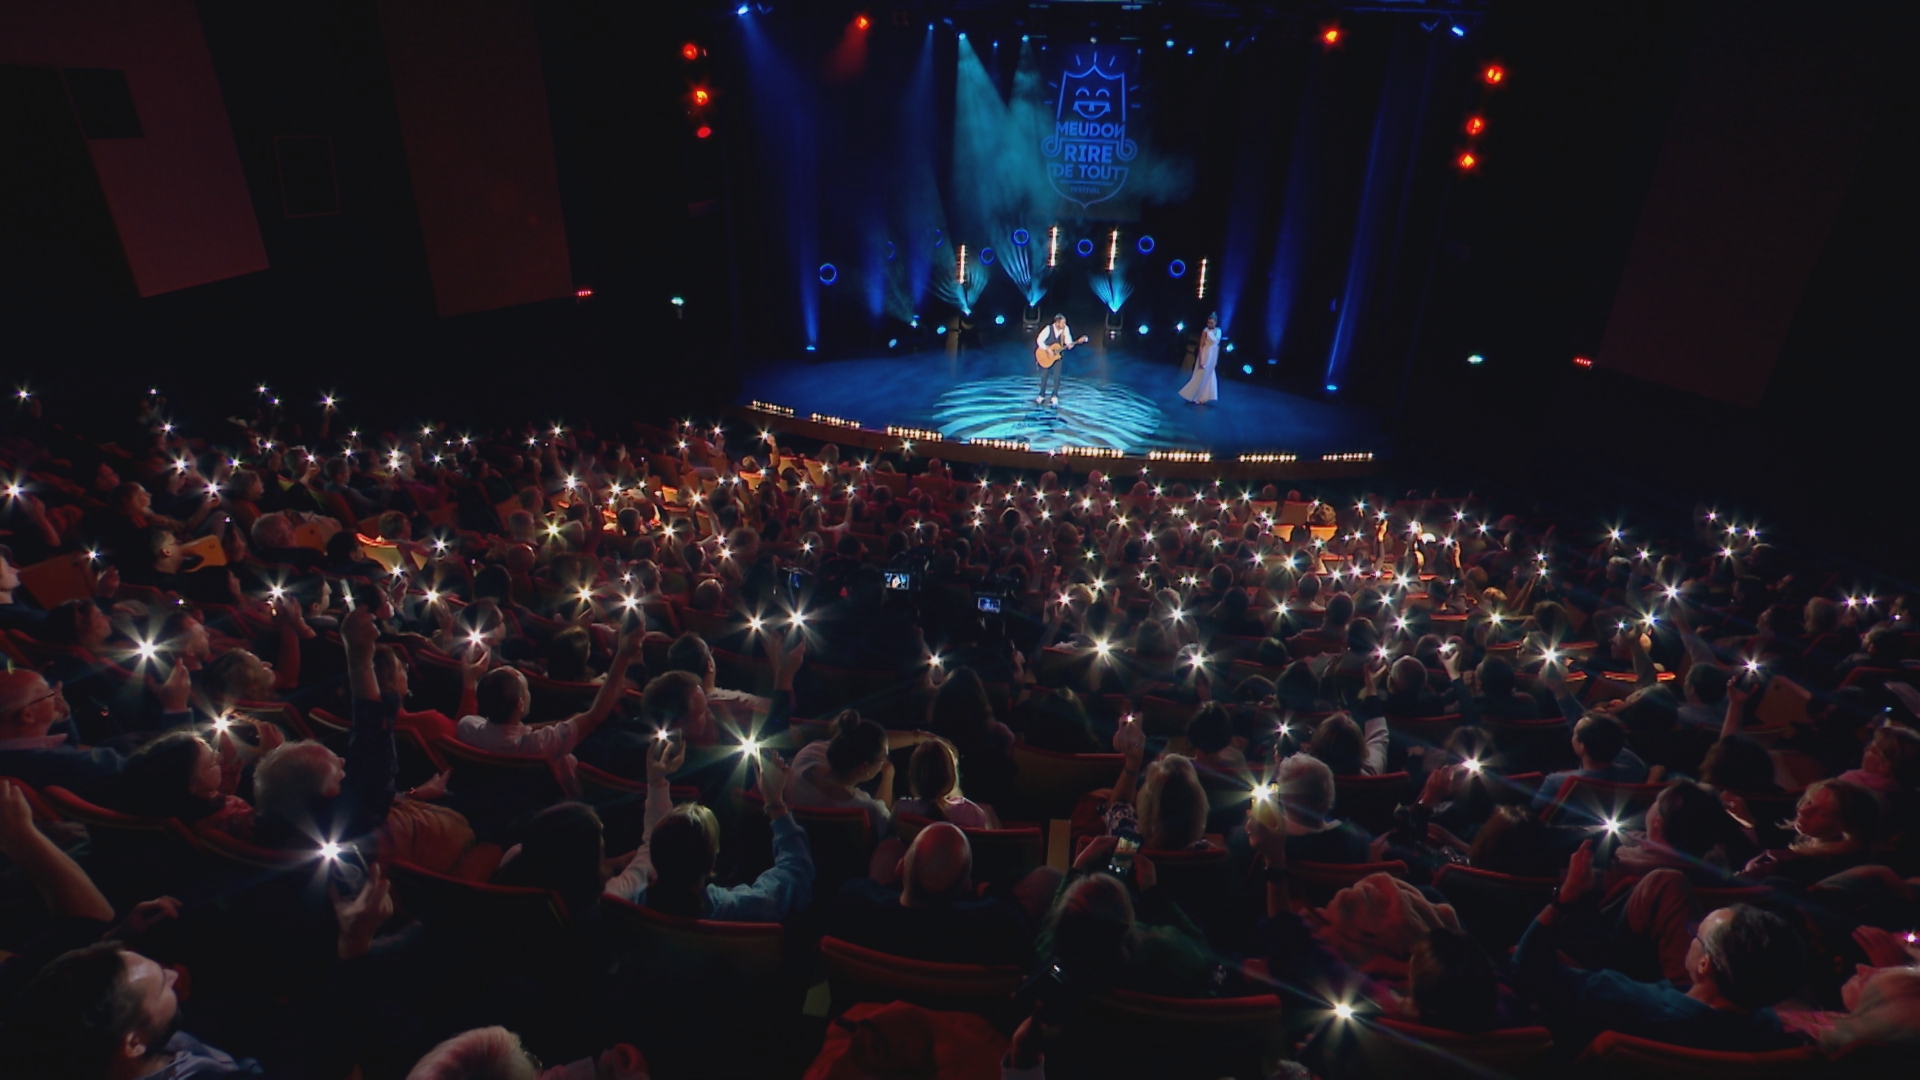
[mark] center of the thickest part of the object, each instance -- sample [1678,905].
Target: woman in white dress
[1203,388]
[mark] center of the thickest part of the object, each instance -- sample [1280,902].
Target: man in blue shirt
[1742,961]
[1601,743]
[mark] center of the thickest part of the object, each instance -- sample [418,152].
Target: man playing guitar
[1054,339]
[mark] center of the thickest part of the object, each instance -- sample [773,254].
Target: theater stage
[1113,397]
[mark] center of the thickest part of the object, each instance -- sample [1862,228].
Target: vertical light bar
[960,274]
[1203,280]
[1113,249]
[1053,246]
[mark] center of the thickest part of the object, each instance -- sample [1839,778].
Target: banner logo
[1088,149]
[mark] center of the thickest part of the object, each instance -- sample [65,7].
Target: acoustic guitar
[1048,355]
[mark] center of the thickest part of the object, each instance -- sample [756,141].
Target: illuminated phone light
[330,850]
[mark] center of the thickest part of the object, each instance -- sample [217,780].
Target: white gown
[1203,388]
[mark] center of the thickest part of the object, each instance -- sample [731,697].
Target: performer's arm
[1040,340]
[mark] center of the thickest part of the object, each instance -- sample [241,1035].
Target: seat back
[856,974]
[1587,802]
[752,674]
[1495,908]
[1315,883]
[493,788]
[436,681]
[1621,1055]
[1165,718]
[1202,882]
[1370,800]
[1424,730]
[1378,1046]
[451,905]
[840,838]
[703,995]
[1124,1033]
[1046,785]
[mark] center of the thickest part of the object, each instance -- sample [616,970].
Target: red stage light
[862,22]
[1331,35]
[1582,361]
[582,293]
[1467,160]
[1494,75]
[701,97]
[690,52]
[1475,125]
[701,132]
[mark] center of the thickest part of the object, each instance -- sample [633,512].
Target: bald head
[938,866]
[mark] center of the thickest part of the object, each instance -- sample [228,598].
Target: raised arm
[63,886]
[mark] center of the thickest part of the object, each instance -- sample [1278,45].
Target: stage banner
[1088,152]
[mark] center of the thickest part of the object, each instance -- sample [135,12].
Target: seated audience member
[104,1012]
[829,772]
[1835,827]
[1499,697]
[31,752]
[1346,749]
[689,653]
[962,713]
[1601,744]
[1688,830]
[1890,765]
[1742,960]
[1099,935]
[179,776]
[934,777]
[1164,808]
[1056,720]
[302,790]
[1313,834]
[672,870]
[935,914]
[503,699]
[560,849]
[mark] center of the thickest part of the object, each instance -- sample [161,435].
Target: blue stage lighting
[1332,389]
[941,329]
[1246,369]
[1169,43]
[1180,327]
[1145,244]
[939,238]
[914,322]
[741,10]
[828,274]
[1143,328]
[1229,346]
[1272,360]
[1189,52]
[1020,237]
[810,348]
[999,320]
[1084,247]
[986,256]
[891,252]
[963,35]
[1459,31]
[1023,39]
[1476,359]
[1176,268]
[893,343]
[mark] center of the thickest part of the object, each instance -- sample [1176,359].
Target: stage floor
[1111,397]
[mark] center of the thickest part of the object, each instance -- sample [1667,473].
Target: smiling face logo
[1088,146]
[1092,103]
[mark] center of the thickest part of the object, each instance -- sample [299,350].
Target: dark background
[1520,260]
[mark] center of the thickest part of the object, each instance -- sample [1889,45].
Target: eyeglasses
[24,706]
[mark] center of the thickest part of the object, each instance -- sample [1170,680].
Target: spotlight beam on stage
[787,114]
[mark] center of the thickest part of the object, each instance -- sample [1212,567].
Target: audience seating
[1380,1046]
[857,974]
[1615,1054]
[476,908]
[1370,800]
[1494,907]
[1312,884]
[1126,1033]
[1047,784]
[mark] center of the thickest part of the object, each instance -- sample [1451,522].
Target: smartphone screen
[990,604]
[896,579]
[1122,862]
